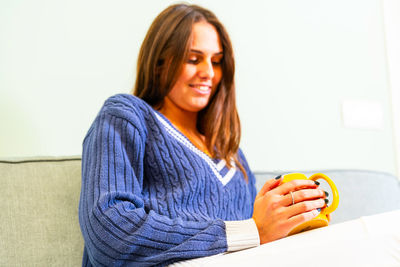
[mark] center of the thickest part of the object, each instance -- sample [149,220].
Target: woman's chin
[196,106]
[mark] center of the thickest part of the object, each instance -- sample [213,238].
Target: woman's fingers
[303,212]
[276,221]
[302,218]
[304,207]
[274,212]
[269,185]
[295,185]
[302,195]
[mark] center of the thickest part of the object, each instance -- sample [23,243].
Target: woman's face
[201,72]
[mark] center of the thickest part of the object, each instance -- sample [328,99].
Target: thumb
[269,185]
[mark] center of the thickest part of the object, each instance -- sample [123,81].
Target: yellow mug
[321,220]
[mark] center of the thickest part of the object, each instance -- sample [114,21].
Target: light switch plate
[362,114]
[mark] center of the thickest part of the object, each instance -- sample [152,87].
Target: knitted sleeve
[117,228]
[243,234]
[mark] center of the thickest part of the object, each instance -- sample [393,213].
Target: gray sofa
[39,207]
[39,212]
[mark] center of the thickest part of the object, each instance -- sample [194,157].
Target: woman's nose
[206,70]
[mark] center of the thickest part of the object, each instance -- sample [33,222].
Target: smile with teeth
[201,87]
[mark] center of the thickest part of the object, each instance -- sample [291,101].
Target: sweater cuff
[241,234]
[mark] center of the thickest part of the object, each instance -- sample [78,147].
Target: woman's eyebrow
[200,52]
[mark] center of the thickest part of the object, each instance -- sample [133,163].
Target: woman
[163,178]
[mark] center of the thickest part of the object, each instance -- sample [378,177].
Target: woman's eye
[193,60]
[217,60]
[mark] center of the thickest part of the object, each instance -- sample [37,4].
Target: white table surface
[367,241]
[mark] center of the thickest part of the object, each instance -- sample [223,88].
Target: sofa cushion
[39,215]
[361,192]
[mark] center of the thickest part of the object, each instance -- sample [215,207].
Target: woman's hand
[274,213]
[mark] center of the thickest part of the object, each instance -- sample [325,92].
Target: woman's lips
[201,88]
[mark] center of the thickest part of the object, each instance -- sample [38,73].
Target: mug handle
[335,193]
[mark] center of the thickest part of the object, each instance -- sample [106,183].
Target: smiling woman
[198,81]
[201,73]
[163,178]
[186,49]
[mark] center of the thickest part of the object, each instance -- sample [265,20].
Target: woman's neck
[184,120]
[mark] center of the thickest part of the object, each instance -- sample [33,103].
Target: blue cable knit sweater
[149,197]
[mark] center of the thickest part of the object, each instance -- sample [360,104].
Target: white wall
[296,62]
[391,13]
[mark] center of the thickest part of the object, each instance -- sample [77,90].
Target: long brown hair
[161,57]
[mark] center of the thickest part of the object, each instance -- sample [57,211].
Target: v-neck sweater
[149,196]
